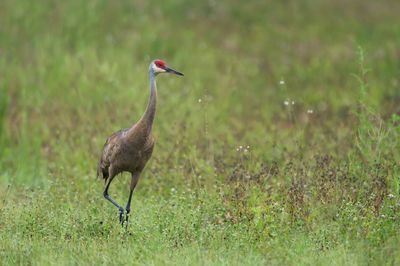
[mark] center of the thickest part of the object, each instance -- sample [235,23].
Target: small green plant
[375,138]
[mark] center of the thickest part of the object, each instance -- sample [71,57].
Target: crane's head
[159,66]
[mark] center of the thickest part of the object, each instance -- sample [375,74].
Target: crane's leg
[134,180]
[107,196]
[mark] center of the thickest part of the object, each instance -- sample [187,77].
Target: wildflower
[310,111]
[292,102]
[286,103]
[282,82]
[391,196]
[199,100]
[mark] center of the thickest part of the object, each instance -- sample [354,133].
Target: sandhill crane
[128,150]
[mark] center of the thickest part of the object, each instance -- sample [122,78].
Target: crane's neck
[148,116]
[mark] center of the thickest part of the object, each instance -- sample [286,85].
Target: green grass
[237,177]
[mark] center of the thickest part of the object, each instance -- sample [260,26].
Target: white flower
[199,100]
[391,196]
[286,103]
[282,82]
[292,102]
[310,111]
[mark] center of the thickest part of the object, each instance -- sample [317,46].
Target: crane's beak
[173,71]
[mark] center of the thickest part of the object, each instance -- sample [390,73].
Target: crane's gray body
[126,151]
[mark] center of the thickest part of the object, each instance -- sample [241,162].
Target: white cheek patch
[158,70]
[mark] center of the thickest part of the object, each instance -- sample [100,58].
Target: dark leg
[107,196]
[134,180]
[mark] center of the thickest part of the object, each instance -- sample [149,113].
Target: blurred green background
[277,96]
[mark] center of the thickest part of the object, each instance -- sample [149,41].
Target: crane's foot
[121,218]
[126,220]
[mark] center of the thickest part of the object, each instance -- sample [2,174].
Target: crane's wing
[109,147]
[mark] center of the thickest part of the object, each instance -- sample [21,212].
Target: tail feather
[102,171]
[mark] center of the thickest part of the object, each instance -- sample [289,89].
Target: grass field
[280,145]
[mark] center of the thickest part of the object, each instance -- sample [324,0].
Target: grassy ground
[279,146]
